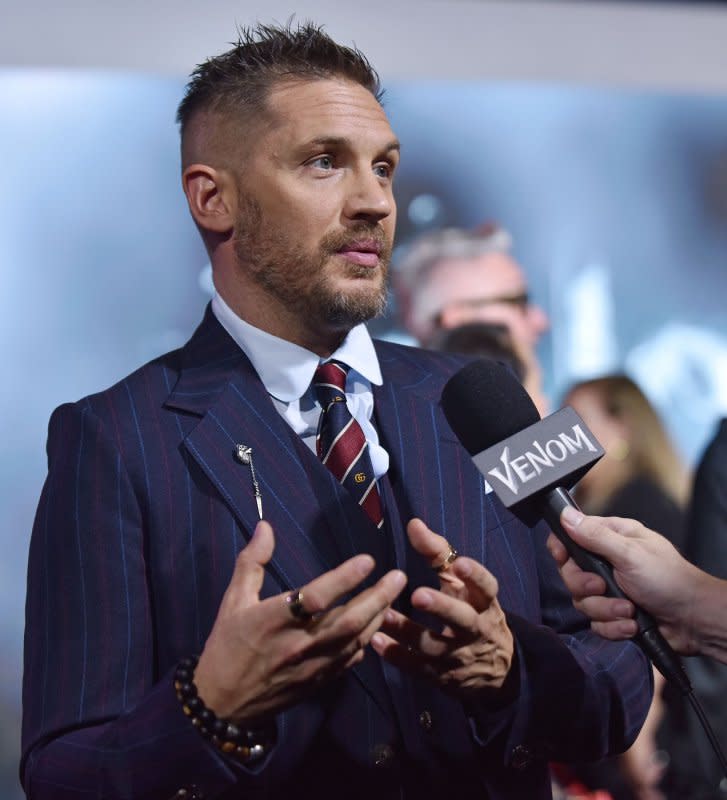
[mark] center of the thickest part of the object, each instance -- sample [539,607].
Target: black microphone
[531,464]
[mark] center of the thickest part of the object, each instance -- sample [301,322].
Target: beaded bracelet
[245,746]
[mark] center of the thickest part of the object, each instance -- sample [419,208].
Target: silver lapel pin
[243,453]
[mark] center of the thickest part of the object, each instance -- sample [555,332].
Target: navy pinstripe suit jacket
[140,521]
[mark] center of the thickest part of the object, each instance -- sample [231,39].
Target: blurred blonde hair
[650,449]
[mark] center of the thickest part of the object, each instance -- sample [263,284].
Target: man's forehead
[493,268]
[299,104]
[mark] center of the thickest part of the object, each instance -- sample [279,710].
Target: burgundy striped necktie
[340,441]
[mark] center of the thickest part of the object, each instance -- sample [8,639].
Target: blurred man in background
[454,276]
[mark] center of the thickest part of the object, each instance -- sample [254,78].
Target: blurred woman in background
[641,475]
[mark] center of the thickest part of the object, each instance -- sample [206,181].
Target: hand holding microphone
[688,604]
[684,600]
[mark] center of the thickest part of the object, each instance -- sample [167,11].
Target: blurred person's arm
[689,605]
[706,543]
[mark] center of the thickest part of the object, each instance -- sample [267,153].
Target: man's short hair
[413,271]
[239,81]
[448,244]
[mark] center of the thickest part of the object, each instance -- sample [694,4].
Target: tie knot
[330,377]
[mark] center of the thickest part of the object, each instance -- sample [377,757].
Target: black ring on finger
[294,602]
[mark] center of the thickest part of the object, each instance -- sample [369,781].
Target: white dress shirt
[286,370]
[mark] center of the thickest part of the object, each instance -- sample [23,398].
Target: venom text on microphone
[556,451]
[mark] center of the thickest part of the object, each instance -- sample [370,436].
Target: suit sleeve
[97,721]
[580,697]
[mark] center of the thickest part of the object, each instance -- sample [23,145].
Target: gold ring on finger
[449,559]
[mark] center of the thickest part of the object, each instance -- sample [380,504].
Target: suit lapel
[219,384]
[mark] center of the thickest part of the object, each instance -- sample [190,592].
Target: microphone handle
[649,638]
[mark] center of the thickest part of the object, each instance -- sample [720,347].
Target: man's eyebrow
[345,142]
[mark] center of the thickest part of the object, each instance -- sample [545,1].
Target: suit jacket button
[382,755]
[425,720]
[190,793]
[521,756]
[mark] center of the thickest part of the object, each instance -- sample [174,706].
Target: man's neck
[256,308]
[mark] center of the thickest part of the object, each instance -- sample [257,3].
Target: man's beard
[298,279]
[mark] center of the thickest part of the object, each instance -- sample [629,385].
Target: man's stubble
[299,280]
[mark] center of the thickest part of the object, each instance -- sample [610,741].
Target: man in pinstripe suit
[316,673]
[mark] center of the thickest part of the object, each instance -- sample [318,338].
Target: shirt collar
[285,368]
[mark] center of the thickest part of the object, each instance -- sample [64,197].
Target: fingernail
[377,640]
[365,565]
[572,516]
[623,608]
[424,599]
[398,578]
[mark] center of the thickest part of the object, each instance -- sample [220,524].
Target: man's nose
[369,198]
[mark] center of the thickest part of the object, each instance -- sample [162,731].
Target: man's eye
[383,170]
[322,162]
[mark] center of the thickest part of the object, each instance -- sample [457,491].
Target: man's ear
[211,197]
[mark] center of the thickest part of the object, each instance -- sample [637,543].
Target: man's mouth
[365,252]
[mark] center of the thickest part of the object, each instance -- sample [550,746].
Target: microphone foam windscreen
[485,403]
